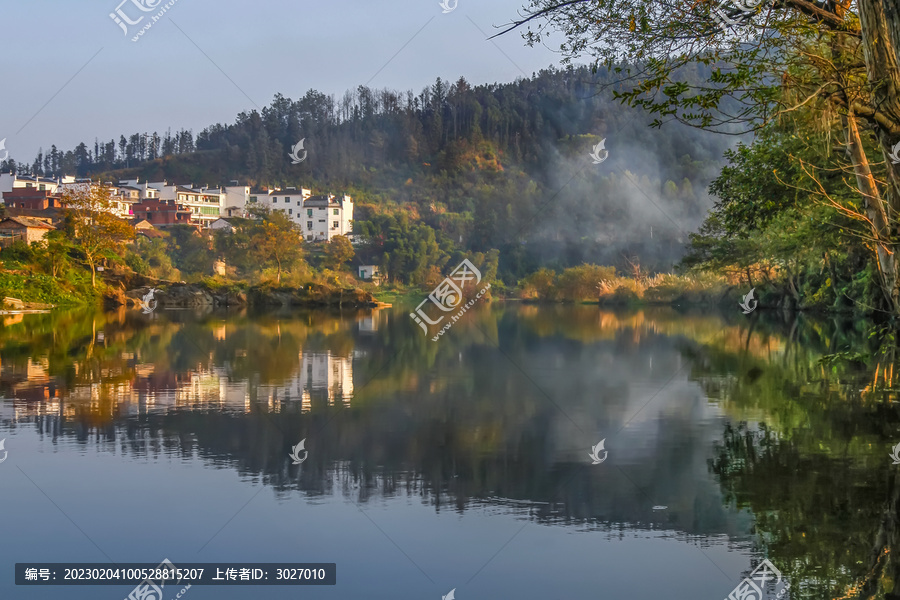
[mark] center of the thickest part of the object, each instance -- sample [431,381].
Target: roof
[54,214]
[143,223]
[29,222]
[321,200]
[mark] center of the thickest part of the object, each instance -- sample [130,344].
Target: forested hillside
[456,169]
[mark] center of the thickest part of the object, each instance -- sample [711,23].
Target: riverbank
[197,295]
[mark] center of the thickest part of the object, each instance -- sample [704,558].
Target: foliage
[338,251]
[540,285]
[276,240]
[581,283]
[189,250]
[96,229]
[470,168]
[153,258]
[74,289]
[772,226]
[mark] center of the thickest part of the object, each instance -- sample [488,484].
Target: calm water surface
[462,463]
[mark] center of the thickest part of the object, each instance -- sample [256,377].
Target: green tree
[821,56]
[338,251]
[190,250]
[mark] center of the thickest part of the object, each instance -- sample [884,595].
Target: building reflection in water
[126,388]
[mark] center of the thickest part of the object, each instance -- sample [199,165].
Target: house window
[309,224]
[334,224]
[42,187]
[290,211]
[287,199]
[274,200]
[336,211]
[308,212]
[252,198]
[321,220]
[309,237]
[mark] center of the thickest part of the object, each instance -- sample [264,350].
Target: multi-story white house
[206,204]
[320,217]
[289,200]
[9,182]
[326,216]
[236,199]
[146,192]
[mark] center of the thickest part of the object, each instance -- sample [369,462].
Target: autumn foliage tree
[96,229]
[276,241]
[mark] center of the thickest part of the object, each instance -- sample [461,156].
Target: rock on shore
[191,295]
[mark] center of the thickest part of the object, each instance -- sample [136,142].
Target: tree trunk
[880,24]
[877,213]
[93,272]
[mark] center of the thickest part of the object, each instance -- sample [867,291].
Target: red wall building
[31,199]
[161,213]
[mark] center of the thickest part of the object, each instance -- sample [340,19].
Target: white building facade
[320,217]
[206,204]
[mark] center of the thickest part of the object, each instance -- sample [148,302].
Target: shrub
[581,283]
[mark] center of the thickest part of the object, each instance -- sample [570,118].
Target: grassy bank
[45,289]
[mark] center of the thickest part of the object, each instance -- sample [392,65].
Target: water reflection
[736,425]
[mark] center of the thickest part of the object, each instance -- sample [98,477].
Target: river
[462,464]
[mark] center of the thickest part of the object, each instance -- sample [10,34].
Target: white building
[121,198]
[206,204]
[326,216]
[289,200]
[146,192]
[320,217]
[8,182]
[236,199]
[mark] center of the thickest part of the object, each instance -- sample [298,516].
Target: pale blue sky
[289,46]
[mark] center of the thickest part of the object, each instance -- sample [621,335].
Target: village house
[144,190]
[221,225]
[31,199]
[326,216]
[205,204]
[10,182]
[145,228]
[162,213]
[320,217]
[236,199]
[25,229]
[370,273]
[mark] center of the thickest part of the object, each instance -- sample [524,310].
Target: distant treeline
[461,168]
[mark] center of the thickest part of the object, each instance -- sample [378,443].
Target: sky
[72,74]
